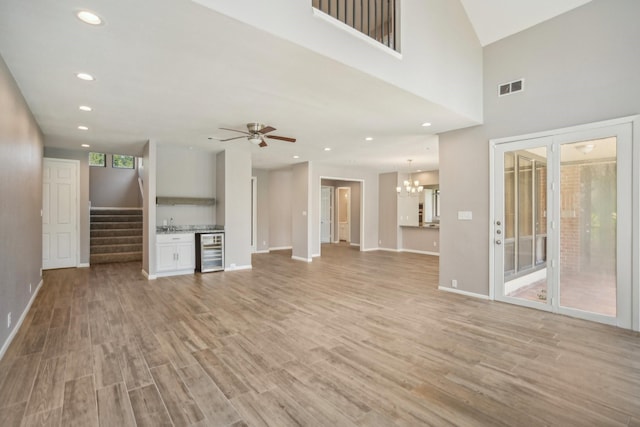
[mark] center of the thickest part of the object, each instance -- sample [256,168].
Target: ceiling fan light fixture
[255,139]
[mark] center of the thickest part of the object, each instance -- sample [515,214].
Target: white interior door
[59,213]
[343,204]
[561,223]
[326,213]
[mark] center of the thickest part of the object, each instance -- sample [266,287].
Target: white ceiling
[496,19]
[175,72]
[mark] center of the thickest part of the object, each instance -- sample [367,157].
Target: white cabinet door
[185,256]
[165,255]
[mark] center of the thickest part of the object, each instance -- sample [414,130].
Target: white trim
[385,249]
[370,249]
[17,325]
[465,293]
[280,248]
[333,21]
[298,258]
[413,251]
[149,276]
[514,284]
[174,273]
[355,244]
[84,265]
[315,255]
[264,251]
[239,267]
[95,208]
[254,214]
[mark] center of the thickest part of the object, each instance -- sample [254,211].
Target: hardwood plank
[132,364]
[60,317]
[114,408]
[11,416]
[56,343]
[51,418]
[176,396]
[148,408]
[48,389]
[105,364]
[80,408]
[215,406]
[19,381]
[79,364]
[224,378]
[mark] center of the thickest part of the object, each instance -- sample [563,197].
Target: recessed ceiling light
[426,124]
[85,145]
[327,149]
[296,157]
[89,17]
[82,127]
[419,170]
[368,138]
[85,76]
[85,108]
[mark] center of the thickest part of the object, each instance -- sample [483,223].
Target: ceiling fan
[257,133]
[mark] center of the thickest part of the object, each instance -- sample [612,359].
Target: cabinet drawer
[174,238]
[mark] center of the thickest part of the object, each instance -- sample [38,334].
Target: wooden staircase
[116,235]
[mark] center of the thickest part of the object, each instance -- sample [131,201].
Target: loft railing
[375,18]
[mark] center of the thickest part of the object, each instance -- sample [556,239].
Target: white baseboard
[385,249]
[16,327]
[281,248]
[265,251]
[458,291]
[149,276]
[239,267]
[84,265]
[315,255]
[355,244]
[298,258]
[412,251]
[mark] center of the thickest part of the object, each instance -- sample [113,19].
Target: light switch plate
[465,215]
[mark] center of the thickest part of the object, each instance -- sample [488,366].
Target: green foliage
[97,159]
[121,161]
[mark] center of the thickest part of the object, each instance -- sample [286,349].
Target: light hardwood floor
[352,339]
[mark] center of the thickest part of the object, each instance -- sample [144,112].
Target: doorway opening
[341,211]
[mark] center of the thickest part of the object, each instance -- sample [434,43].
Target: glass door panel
[588,224]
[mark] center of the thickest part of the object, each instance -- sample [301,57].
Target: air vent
[511,87]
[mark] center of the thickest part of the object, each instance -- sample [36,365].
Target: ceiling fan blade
[235,130]
[231,139]
[262,144]
[266,129]
[281,138]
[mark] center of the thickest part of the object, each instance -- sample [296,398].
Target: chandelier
[411,187]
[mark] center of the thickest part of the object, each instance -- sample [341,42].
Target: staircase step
[116,232]
[119,257]
[114,249]
[112,225]
[113,240]
[114,211]
[116,218]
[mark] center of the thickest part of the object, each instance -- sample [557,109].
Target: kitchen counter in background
[424,239]
[178,229]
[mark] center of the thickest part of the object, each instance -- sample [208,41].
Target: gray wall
[262,226]
[21,197]
[580,67]
[85,221]
[114,187]
[388,231]
[183,172]
[234,183]
[280,193]
[300,217]
[420,239]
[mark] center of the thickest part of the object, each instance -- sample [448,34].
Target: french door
[562,215]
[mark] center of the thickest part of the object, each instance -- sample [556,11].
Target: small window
[123,162]
[97,159]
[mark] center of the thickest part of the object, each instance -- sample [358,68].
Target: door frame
[560,135]
[254,214]
[77,195]
[362,207]
[337,213]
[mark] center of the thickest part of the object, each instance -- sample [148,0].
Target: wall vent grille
[511,87]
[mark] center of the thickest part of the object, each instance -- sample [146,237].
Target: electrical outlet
[29,287]
[40,272]
[435,244]
[264,243]
[379,242]
[9,320]
[454,283]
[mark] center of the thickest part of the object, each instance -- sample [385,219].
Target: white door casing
[60,214]
[326,214]
[343,213]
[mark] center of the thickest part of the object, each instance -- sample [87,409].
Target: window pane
[97,159]
[125,162]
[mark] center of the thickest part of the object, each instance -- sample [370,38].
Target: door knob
[498,242]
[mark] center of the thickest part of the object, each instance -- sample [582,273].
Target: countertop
[182,229]
[432,226]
